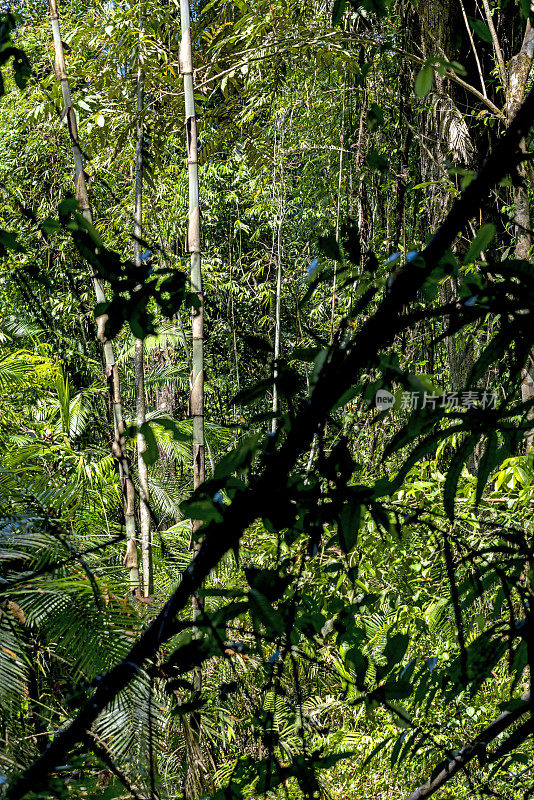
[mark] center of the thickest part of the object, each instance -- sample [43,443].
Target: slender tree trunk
[278,166]
[338,210]
[197,777]
[193,247]
[139,356]
[277,322]
[112,373]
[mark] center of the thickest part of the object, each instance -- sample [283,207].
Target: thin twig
[496,43]
[475,52]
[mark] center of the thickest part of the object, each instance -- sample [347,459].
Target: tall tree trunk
[139,355]
[439,22]
[112,373]
[197,775]
[278,196]
[518,72]
[516,77]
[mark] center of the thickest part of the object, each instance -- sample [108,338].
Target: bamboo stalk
[111,370]
[139,354]
[196,778]
[196,402]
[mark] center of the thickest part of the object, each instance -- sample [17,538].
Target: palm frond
[20,326]
[169,334]
[20,367]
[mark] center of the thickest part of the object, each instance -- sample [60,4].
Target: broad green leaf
[395,650]
[268,581]
[494,351]
[519,663]
[247,396]
[455,470]
[220,618]
[67,206]
[349,525]
[481,29]
[375,117]
[396,748]
[263,611]
[514,705]
[150,454]
[481,241]
[329,246]
[358,664]
[423,82]
[482,655]
[457,67]
[376,161]
[8,241]
[204,510]
[378,7]
[174,428]
[337,11]
[304,353]
[488,462]
[238,458]
[396,690]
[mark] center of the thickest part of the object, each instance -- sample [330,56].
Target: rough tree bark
[518,72]
[111,370]
[519,68]
[445,127]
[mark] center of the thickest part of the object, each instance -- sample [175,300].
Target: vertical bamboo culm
[196,777]
[139,353]
[193,247]
[112,373]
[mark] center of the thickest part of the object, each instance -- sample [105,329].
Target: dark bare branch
[477,746]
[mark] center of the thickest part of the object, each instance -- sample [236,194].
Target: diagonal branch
[474,49]
[478,746]
[336,377]
[102,753]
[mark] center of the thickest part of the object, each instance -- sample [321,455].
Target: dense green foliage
[363,575]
